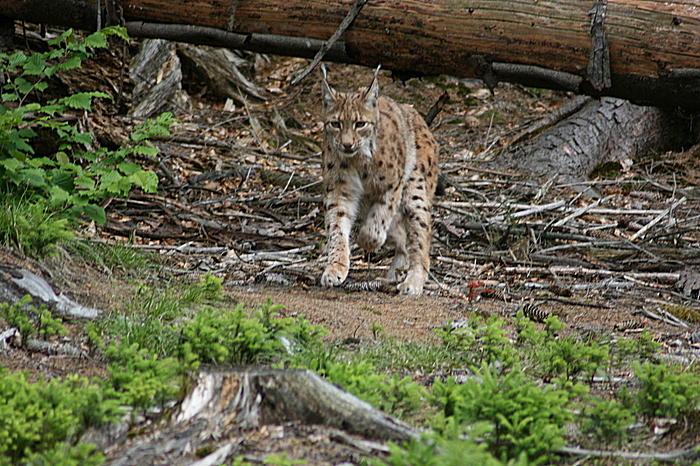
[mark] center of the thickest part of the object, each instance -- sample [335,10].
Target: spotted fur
[380,166]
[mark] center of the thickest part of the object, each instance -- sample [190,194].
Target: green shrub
[570,358]
[441,452]
[48,325]
[72,179]
[551,356]
[17,317]
[526,418]
[480,341]
[210,287]
[65,454]
[33,229]
[666,391]
[219,335]
[41,421]
[140,379]
[606,421]
[229,336]
[624,351]
[389,392]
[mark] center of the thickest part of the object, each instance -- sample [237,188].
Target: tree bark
[603,130]
[653,46]
[224,404]
[157,77]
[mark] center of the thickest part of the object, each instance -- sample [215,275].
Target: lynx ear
[372,92]
[328,93]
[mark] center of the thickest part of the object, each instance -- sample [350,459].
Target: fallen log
[603,130]
[645,51]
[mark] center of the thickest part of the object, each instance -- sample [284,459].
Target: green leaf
[33,107]
[24,86]
[129,168]
[73,62]
[63,180]
[85,182]
[58,196]
[26,133]
[118,31]
[18,139]
[97,39]
[55,54]
[62,158]
[82,100]
[16,60]
[11,164]
[67,36]
[111,176]
[95,213]
[35,65]
[52,109]
[34,176]
[146,150]
[81,138]
[40,162]
[146,179]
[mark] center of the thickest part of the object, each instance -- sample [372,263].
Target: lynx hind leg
[397,237]
[418,236]
[417,204]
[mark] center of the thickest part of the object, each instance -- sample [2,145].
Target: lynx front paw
[334,275]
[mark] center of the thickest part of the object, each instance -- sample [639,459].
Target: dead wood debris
[240,194]
[232,405]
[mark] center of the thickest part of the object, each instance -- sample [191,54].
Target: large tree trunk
[654,45]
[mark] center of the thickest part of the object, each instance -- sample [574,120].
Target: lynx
[380,165]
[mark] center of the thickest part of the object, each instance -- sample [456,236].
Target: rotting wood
[654,58]
[157,76]
[666,456]
[656,220]
[565,111]
[605,130]
[17,281]
[224,404]
[217,67]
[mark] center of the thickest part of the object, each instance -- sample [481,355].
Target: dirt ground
[593,272]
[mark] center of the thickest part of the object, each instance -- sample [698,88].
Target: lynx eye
[334,124]
[361,124]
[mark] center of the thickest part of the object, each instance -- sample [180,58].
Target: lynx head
[350,119]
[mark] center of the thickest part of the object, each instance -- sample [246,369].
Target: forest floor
[240,198]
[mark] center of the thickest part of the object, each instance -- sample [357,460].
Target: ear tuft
[327,92]
[372,93]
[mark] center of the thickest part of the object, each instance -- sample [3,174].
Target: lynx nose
[347,146]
